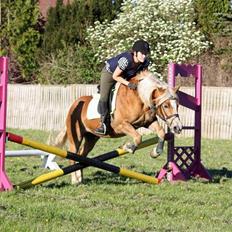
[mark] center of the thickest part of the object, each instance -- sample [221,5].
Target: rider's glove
[132,85]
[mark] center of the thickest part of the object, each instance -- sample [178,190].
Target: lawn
[108,202]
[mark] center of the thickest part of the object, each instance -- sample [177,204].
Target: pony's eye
[165,106]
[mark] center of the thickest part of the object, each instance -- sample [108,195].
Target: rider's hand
[132,85]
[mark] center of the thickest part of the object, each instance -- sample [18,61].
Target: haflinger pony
[133,109]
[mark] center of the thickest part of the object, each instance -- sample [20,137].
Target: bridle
[159,103]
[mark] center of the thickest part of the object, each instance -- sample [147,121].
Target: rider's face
[141,57]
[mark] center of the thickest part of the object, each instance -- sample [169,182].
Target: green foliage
[227,23]
[20,36]
[70,65]
[67,57]
[209,14]
[66,25]
[3,31]
[167,25]
[214,18]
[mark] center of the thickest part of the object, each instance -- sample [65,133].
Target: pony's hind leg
[158,149]
[75,132]
[75,176]
[88,144]
[74,148]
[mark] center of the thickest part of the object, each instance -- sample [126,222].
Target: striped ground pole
[84,161]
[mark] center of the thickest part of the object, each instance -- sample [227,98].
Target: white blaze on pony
[134,109]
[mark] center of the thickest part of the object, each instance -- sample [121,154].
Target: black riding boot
[103,110]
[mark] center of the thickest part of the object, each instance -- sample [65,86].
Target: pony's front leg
[128,129]
[158,149]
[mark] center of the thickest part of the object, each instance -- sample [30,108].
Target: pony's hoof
[76,178]
[154,154]
[157,151]
[74,182]
[129,147]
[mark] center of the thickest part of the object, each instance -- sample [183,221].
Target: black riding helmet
[141,46]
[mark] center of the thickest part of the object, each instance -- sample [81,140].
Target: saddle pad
[92,112]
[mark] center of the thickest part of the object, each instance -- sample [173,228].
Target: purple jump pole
[5,183]
[184,162]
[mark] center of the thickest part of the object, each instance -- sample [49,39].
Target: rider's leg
[106,84]
[103,111]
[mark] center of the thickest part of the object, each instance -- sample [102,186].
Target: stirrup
[101,130]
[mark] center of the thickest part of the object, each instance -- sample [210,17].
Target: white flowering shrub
[168,25]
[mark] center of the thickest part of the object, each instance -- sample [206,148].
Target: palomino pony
[134,109]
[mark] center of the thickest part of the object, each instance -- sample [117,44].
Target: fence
[45,108]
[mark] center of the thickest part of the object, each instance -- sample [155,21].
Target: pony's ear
[160,89]
[154,93]
[157,92]
[176,88]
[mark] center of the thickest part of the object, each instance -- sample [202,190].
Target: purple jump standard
[184,162]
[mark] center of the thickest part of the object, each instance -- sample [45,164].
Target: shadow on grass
[101,178]
[219,175]
[57,185]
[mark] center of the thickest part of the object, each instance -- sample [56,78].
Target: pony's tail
[61,138]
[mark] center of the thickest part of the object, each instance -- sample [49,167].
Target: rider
[121,68]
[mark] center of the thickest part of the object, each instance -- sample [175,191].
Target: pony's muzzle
[177,129]
[176,125]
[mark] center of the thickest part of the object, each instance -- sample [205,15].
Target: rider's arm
[117,76]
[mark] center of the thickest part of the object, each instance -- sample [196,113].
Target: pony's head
[166,103]
[164,100]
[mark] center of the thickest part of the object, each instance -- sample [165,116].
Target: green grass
[107,202]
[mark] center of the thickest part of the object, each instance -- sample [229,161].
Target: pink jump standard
[5,183]
[184,162]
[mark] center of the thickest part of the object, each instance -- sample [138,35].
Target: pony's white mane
[147,83]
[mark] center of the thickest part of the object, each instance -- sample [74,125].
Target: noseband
[167,117]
